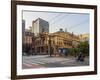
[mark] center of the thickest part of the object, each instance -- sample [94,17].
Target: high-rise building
[39,26]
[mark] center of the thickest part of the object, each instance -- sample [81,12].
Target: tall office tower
[39,26]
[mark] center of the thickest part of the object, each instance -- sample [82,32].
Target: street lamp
[49,50]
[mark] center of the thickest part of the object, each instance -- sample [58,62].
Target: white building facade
[39,26]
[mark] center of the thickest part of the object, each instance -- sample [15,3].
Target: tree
[74,51]
[84,47]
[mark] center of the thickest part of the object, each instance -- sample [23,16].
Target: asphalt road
[44,61]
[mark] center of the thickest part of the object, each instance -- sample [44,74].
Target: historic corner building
[56,41]
[43,42]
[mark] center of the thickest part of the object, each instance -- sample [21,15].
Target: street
[45,61]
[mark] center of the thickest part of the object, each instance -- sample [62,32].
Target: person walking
[80,57]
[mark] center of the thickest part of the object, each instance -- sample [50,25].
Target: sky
[77,23]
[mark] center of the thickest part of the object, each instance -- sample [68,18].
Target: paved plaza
[45,61]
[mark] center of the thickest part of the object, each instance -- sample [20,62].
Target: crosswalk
[28,64]
[39,63]
[43,62]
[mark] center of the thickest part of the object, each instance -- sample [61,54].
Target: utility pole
[49,47]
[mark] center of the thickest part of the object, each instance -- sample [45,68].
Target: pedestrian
[82,58]
[79,56]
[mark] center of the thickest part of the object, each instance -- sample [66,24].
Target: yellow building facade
[55,40]
[84,37]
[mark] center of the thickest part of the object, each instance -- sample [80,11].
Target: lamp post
[33,44]
[49,47]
